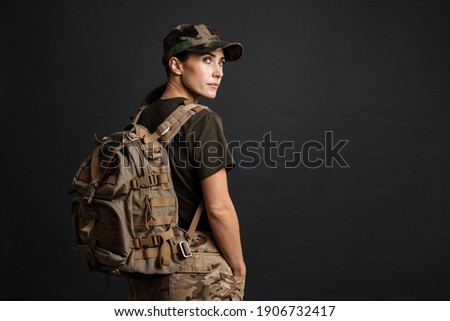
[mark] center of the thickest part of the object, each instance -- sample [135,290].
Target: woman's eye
[207,60]
[222,62]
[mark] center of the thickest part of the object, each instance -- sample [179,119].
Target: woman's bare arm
[223,219]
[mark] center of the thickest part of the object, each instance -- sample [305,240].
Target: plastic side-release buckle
[185,249]
[91,193]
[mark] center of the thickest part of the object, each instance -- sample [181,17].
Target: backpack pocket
[100,232]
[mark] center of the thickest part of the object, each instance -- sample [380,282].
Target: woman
[194,56]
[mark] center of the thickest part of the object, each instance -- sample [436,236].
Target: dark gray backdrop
[375,73]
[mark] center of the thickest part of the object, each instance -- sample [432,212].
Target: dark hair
[156,93]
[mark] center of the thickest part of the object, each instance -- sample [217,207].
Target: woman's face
[201,74]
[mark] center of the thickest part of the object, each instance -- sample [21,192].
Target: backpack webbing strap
[166,131]
[164,252]
[95,166]
[195,220]
[96,174]
[170,126]
[173,123]
[146,252]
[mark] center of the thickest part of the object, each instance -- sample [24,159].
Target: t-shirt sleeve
[210,151]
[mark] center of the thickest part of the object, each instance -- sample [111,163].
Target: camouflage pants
[205,276]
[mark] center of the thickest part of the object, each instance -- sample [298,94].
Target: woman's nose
[218,71]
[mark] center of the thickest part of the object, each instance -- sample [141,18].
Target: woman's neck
[176,89]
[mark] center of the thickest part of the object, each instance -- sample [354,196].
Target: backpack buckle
[185,249]
[153,179]
[147,241]
[90,193]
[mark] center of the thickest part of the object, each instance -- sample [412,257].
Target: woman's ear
[175,66]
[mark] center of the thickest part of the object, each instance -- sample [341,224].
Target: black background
[375,73]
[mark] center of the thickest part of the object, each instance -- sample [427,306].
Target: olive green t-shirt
[198,151]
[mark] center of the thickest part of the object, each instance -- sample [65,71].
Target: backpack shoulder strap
[173,123]
[166,131]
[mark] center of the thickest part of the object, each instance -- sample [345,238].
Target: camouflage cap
[198,38]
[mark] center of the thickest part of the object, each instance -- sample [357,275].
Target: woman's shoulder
[206,118]
[206,114]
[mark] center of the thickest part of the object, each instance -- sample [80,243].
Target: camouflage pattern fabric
[205,276]
[198,38]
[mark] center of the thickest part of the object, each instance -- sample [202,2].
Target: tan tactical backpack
[125,213]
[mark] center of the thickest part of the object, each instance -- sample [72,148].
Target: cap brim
[232,50]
